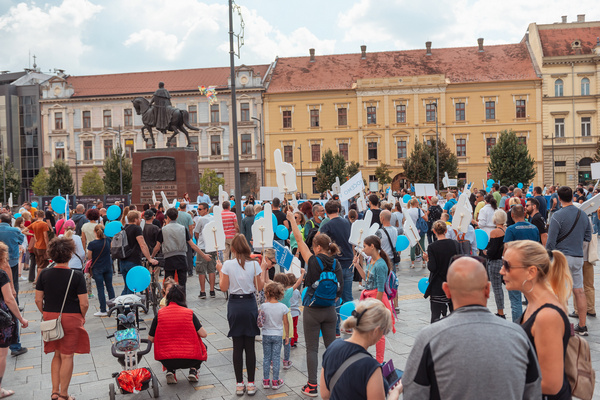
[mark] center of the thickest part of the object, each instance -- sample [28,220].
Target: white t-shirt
[241,280]
[274,313]
[413,213]
[200,224]
[78,258]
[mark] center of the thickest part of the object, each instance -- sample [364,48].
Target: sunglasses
[507,266]
[482,260]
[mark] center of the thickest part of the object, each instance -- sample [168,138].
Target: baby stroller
[126,349]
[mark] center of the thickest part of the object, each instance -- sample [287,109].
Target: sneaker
[581,330]
[16,353]
[171,378]
[193,375]
[310,390]
[202,295]
[589,314]
[251,389]
[361,287]
[294,345]
[287,364]
[213,294]
[503,316]
[276,384]
[574,315]
[267,384]
[100,314]
[240,388]
[397,309]
[90,296]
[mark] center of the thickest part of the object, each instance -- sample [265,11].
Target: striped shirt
[228,224]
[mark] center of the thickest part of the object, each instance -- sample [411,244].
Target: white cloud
[157,42]
[53,33]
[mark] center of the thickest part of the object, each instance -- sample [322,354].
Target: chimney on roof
[581,18]
[312,55]
[564,19]
[428,47]
[480,43]
[363,51]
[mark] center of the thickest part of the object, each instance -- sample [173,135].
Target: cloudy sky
[87,37]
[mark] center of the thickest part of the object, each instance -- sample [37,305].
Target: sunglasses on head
[507,266]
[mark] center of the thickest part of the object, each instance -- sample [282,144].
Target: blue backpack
[323,292]
[421,224]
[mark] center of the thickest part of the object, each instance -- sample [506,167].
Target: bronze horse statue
[177,123]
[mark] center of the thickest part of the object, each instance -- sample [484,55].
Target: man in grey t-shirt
[389,248]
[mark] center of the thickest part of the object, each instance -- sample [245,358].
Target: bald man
[388,235]
[471,354]
[79,218]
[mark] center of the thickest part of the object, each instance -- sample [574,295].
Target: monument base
[173,171]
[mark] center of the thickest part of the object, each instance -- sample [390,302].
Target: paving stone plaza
[29,374]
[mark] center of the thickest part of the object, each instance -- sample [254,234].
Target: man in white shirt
[204,267]
[202,197]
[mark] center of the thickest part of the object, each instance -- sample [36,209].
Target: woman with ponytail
[317,318]
[363,379]
[375,274]
[544,278]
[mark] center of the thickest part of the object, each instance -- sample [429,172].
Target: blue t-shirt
[448,206]
[522,230]
[376,275]
[552,197]
[352,384]
[543,206]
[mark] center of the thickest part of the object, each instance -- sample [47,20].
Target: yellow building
[372,107]
[568,58]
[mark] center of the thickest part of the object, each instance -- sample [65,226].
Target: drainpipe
[573,111]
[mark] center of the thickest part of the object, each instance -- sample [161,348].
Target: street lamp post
[3,169]
[76,173]
[236,155]
[301,174]
[437,146]
[260,135]
[120,160]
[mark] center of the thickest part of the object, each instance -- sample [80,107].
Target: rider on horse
[162,109]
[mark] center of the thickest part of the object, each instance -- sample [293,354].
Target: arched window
[558,88]
[585,87]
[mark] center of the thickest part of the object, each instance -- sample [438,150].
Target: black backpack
[464,246]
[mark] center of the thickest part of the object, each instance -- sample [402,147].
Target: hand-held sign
[294,204]
[213,232]
[462,217]
[591,205]
[223,196]
[166,201]
[361,228]
[390,198]
[262,230]
[336,187]
[286,174]
[361,203]
[463,201]
[153,198]
[445,180]
[411,231]
[10,201]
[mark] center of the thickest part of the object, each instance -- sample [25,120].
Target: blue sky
[87,37]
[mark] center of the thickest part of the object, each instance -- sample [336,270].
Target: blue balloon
[282,232]
[262,215]
[402,243]
[406,198]
[113,212]
[17,215]
[59,204]
[177,204]
[346,309]
[488,189]
[34,204]
[423,284]
[112,228]
[482,238]
[528,195]
[490,182]
[520,185]
[138,279]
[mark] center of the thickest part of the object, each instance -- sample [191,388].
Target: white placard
[595,170]
[590,206]
[352,187]
[424,189]
[285,174]
[362,228]
[270,192]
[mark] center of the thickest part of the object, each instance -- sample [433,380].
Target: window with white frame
[586,126]
[559,127]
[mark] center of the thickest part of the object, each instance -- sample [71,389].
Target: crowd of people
[538,249]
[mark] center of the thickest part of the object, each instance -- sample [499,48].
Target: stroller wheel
[111,391]
[154,386]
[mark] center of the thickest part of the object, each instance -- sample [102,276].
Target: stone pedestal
[173,171]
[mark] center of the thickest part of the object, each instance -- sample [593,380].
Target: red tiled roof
[557,42]
[147,82]
[460,65]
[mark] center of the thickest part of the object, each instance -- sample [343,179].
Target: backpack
[391,285]
[312,232]
[421,224]
[119,246]
[578,368]
[464,246]
[323,292]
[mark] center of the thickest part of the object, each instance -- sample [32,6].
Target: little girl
[295,305]
[275,328]
[167,284]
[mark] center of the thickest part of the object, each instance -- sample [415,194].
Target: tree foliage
[420,166]
[332,166]
[13,180]
[352,168]
[111,169]
[39,184]
[382,174]
[92,183]
[60,178]
[510,161]
[209,182]
[448,160]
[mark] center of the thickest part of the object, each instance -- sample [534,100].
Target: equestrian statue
[160,114]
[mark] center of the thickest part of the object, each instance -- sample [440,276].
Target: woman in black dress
[8,334]
[493,252]
[439,254]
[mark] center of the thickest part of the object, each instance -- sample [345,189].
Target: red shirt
[229,220]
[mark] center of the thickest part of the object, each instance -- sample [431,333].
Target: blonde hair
[3,252]
[513,201]
[554,273]
[373,314]
[499,217]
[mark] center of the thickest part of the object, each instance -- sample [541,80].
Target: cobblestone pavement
[29,374]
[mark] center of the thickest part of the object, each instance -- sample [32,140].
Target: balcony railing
[572,141]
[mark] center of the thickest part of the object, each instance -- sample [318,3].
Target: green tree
[60,178]
[420,166]
[352,168]
[448,161]
[111,169]
[332,166]
[92,184]
[382,174]
[209,182]
[13,180]
[39,184]
[510,161]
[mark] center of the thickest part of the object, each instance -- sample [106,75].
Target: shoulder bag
[89,264]
[396,258]
[52,330]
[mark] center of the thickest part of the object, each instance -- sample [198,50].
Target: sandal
[68,397]
[54,396]
[5,393]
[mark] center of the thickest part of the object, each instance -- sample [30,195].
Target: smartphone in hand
[390,374]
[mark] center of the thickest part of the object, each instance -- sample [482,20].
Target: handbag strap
[66,293]
[388,236]
[342,368]
[560,239]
